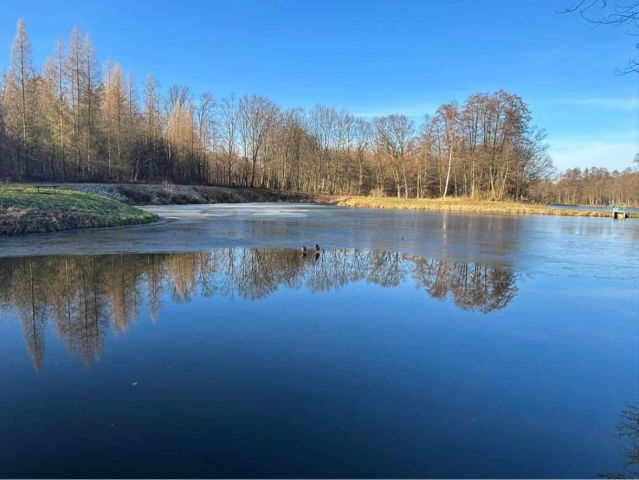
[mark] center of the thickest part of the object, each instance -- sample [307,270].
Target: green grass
[24,209]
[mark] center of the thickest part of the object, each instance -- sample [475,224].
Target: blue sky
[371,57]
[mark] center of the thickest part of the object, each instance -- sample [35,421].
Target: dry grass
[173,194]
[25,209]
[466,205]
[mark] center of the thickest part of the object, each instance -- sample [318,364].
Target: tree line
[75,120]
[591,186]
[86,296]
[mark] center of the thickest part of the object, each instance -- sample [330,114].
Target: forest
[76,120]
[592,186]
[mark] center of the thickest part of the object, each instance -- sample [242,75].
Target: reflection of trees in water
[86,295]
[472,286]
[628,429]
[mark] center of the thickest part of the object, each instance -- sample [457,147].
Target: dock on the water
[619,211]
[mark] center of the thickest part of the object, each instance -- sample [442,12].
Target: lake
[414,345]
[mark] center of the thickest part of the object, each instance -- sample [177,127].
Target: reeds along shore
[469,206]
[47,208]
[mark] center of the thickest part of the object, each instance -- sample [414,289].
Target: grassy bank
[466,205]
[27,209]
[172,194]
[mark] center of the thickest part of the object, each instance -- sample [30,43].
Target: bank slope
[31,209]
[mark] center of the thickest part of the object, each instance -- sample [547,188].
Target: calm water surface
[423,345]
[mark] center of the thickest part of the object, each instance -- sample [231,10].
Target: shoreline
[42,208]
[464,205]
[142,194]
[28,209]
[173,194]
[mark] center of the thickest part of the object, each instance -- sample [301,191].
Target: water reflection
[628,430]
[85,296]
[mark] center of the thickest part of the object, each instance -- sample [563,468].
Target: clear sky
[370,57]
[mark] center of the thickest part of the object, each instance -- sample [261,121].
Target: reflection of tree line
[628,430]
[86,295]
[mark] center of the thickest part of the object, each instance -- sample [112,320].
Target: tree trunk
[450,163]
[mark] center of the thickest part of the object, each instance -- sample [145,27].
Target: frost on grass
[25,209]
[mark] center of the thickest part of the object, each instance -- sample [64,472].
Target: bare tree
[205,133]
[363,138]
[152,123]
[450,119]
[228,118]
[604,12]
[90,93]
[257,116]
[394,133]
[22,73]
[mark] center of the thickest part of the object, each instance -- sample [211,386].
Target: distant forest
[76,121]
